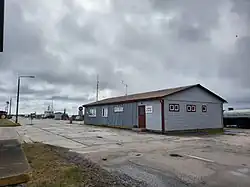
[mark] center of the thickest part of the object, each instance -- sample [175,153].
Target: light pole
[18,90]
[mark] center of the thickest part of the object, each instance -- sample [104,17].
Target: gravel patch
[102,177]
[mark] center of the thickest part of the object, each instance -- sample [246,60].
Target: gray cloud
[241,7]
[148,44]
[73,31]
[69,98]
[238,63]
[27,90]
[191,33]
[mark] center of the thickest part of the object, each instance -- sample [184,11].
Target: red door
[141,117]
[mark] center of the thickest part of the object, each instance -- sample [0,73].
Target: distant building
[183,108]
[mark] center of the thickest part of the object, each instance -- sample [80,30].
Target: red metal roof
[149,96]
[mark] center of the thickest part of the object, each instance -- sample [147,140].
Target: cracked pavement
[215,160]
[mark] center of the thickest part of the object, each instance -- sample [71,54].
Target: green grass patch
[197,132]
[8,123]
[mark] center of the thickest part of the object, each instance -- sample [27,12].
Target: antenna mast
[97,87]
[126,88]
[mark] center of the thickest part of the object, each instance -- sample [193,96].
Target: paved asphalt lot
[221,160]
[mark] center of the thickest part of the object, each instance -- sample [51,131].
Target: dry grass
[57,167]
[8,123]
[49,169]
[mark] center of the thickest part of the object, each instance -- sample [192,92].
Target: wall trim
[162,116]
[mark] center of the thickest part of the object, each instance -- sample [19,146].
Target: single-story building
[174,109]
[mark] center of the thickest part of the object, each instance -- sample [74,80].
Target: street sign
[1,25]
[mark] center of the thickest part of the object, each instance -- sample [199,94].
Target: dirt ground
[7,123]
[55,166]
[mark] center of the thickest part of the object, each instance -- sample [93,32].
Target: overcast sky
[150,44]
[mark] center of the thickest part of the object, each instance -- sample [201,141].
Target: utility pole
[97,88]
[126,88]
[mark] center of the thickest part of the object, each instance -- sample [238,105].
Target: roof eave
[198,85]
[122,102]
[159,97]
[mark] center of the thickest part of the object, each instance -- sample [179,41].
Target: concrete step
[139,129]
[14,167]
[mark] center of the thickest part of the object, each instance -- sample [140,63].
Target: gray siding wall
[153,120]
[127,118]
[194,94]
[183,120]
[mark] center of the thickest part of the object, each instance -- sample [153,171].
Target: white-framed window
[171,107]
[92,112]
[204,108]
[174,107]
[105,112]
[191,108]
[118,109]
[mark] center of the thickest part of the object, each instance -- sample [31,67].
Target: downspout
[162,116]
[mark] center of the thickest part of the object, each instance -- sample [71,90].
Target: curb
[15,180]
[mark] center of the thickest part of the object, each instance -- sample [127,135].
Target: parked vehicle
[58,115]
[3,114]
